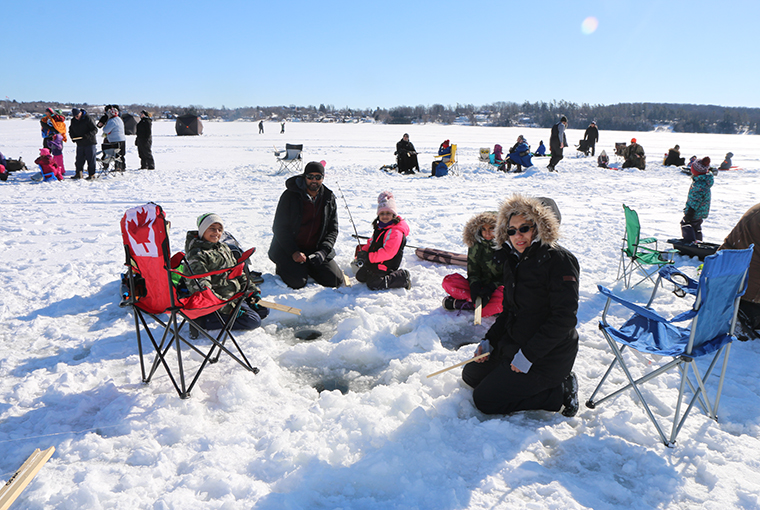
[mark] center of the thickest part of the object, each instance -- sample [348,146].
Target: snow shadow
[56,417]
[434,462]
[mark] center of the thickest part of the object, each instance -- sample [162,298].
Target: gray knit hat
[206,220]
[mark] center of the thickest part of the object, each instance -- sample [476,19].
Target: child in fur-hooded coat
[533,343]
[484,267]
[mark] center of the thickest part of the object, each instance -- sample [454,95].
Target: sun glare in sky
[589,25]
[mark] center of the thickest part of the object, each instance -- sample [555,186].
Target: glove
[316,259]
[253,299]
[483,347]
[362,258]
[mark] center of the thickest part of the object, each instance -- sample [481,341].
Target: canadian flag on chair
[139,230]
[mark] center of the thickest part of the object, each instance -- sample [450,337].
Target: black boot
[569,396]
[449,303]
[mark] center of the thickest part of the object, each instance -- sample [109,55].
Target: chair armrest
[645,312]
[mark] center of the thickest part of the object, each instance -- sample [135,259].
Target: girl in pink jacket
[377,262]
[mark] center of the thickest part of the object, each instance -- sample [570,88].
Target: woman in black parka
[533,343]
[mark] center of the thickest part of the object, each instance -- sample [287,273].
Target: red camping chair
[152,293]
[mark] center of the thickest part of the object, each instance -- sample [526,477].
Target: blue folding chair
[713,318]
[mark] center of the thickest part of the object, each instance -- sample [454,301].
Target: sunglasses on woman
[524,229]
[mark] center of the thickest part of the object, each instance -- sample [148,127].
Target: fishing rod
[351,219]
[367,237]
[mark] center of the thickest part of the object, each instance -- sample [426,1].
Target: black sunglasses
[314,177]
[524,229]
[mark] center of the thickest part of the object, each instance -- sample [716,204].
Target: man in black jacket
[305,229]
[557,142]
[591,136]
[144,141]
[83,131]
[406,156]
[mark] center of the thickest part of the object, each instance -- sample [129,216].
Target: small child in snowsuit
[484,269]
[698,202]
[50,170]
[541,151]
[603,161]
[205,253]
[377,262]
[726,162]
[55,144]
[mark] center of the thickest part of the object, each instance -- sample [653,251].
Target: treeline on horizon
[682,118]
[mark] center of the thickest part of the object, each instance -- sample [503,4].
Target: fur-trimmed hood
[543,212]
[471,231]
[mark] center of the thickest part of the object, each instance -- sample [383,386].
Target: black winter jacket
[540,306]
[287,222]
[84,129]
[145,129]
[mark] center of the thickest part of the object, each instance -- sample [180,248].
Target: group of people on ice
[83,131]
[515,267]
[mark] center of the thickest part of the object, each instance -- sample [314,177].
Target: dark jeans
[85,153]
[296,275]
[144,150]
[556,156]
[250,319]
[499,390]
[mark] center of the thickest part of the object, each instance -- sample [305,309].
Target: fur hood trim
[542,212]
[473,225]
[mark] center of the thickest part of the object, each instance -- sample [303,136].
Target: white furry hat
[386,202]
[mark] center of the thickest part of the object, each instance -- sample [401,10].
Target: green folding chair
[637,255]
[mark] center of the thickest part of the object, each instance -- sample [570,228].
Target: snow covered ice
[380,435]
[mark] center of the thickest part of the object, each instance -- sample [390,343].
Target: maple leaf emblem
[137,229]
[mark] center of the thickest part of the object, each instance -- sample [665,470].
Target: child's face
[385,216]
[487,232]
[213,233]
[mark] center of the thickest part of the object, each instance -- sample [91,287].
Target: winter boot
[449,303]
[398,279]
[569,396]
[77,175]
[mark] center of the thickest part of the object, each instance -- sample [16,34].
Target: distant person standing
[115,137]
[591,136]
[84,133]
[261,127]
[52,123]
[557,142]
[282,127]
[144,141]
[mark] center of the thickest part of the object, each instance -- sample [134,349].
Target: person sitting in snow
[674,157]
[603,161]
[440,168]
[484,269]
[634,156]
[48,167]
[726,162]
[377,262]
[533,343]
[541,151]
[406,156]
[519,155]
[205,253]
[497,157]
[698,201]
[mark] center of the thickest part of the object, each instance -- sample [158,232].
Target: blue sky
[368,54]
